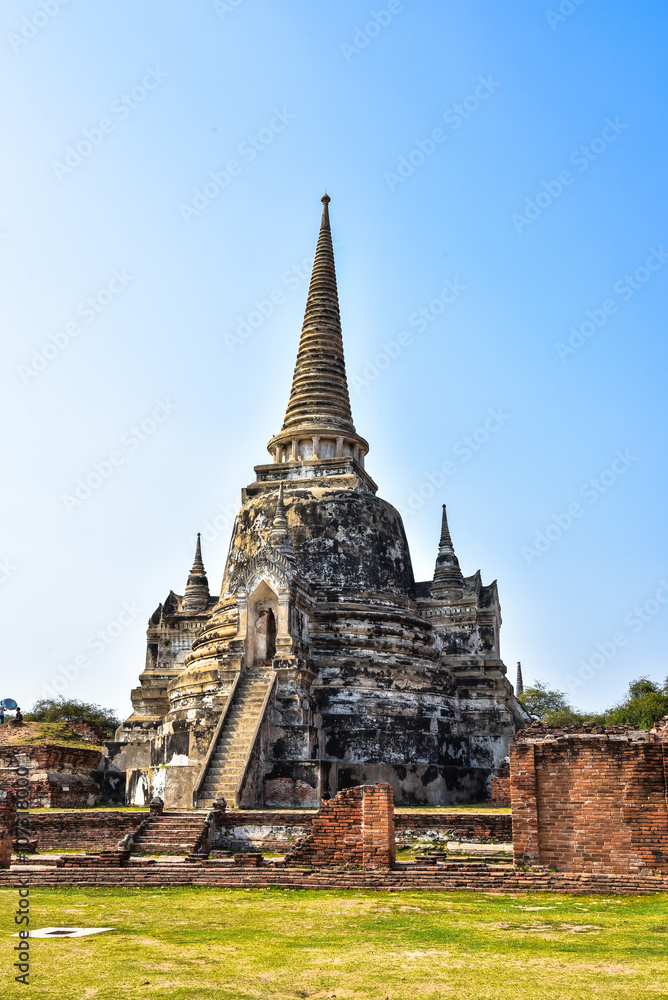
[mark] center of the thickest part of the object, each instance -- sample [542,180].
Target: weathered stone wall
[588,801]
[173,784]
[356,827]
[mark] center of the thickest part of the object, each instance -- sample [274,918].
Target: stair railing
[214,740]
[258,724]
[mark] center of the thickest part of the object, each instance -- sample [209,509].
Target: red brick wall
[49,757]
[500,785]
[90,732]
[90,830]
[453,826]
[7,825]
[590,802]
[63,791]
[355,827]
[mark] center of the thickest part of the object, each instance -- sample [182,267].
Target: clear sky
[497,174]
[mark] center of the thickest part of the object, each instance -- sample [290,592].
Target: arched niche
[261,625]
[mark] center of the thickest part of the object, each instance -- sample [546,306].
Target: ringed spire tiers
[196,594]
[318,422]
[447,574]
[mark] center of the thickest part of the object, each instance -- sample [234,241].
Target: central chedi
[323,664]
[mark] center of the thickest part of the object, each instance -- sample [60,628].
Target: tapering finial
[445,531]
[281,515]
[196,594]
[324,222]
[318,422]
[197,564]
[447,574]
[279,537]
[519,686]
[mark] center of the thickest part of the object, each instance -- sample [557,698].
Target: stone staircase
[235,740]
[170,833]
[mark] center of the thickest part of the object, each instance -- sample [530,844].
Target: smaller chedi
[322,664]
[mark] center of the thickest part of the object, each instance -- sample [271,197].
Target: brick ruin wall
[51,757]
[500,785]
[89,732]
[355,827]
[89,830]
[261,829]
[60,776]
[7,826]
[590,801]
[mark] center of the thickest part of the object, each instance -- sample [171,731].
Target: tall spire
[519,685]
[196,596]
[318,422]
[447,574]
[319,392]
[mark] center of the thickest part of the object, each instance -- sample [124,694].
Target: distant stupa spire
[196,595]
[447,574]
[279,537]
[519,684]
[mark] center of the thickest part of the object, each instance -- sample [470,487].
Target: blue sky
[509,156]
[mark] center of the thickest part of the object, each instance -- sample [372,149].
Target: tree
[59,710]
[540,701]
[553,708]
[644,705]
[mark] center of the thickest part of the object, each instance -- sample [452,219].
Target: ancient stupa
[322,664]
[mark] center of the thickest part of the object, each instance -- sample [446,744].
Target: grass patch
[196,943]
[36,733]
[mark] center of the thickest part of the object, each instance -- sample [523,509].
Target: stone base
[173,784]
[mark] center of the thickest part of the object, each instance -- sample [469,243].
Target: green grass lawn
[194,943]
